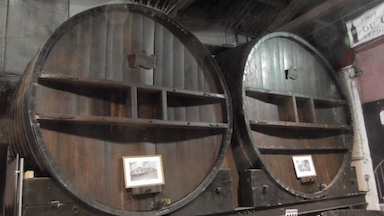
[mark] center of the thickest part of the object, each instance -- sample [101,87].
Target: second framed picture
[304,166]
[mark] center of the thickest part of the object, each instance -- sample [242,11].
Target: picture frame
[140,171]
[304,166]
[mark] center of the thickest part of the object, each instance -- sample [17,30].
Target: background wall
[24,27]
[370,84]
[27,25]
[369,61]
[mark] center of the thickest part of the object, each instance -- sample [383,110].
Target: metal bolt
[265,188]
[322,186]
[352,181]
[218,190]
[367,177]
[75,210]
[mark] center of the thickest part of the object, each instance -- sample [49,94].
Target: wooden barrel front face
[124,80]
[290,111]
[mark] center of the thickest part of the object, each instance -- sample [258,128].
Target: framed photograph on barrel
[304,166]
[140,171]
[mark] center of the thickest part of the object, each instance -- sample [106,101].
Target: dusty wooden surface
[288,102]
[90,107]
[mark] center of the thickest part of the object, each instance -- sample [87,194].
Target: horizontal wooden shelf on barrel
[296,111]
[132,103]
[110,84]
[301,150]
[119,121]
[297,125]
[273,93]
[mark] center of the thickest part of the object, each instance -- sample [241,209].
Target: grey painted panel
[30,23]
[3,8]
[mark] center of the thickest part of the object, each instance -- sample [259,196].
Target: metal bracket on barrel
[307,180]
[141,60]
[291,73]
[146,190]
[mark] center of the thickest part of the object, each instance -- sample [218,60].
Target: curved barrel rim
[249,139]
[39,150]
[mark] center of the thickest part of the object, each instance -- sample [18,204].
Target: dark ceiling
[320,22]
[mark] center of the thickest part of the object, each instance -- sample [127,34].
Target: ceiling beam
[274,3]
[286,15]
[175,5]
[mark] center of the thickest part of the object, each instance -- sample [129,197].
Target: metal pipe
[364,168]
[2,63]
[20,189]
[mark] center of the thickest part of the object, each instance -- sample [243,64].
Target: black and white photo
[142,171]
[304,166]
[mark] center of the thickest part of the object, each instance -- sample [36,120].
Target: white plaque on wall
[366,27]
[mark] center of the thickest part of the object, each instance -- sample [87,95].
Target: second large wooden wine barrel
[120,81]
[290,115]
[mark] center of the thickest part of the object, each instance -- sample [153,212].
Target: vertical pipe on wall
[2,59]
[20,187]
[361,157]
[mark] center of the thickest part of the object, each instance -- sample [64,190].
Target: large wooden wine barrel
[116,81]
[288,109]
